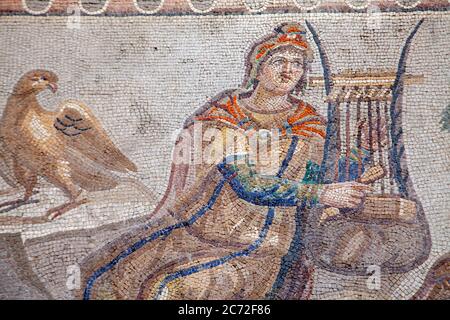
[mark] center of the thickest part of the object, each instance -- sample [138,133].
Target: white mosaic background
[169,66]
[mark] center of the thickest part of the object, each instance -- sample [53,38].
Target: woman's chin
[286,87]
[282,90]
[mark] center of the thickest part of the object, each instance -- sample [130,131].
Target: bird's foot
[53,213]
[11,205]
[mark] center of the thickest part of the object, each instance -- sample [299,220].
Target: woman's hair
[288,36]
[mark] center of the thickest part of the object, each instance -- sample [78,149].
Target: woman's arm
[268,190]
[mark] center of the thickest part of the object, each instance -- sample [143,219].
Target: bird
[68,147]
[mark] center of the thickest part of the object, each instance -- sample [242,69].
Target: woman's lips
[285,77]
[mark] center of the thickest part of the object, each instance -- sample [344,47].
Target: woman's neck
[265,101]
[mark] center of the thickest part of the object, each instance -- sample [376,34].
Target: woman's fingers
[355,194]
[361,186]
[356,198]
[354,204]
[345,194]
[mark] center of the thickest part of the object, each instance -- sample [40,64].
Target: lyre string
[379,145]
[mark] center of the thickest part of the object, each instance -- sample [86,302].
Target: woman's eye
[278,62]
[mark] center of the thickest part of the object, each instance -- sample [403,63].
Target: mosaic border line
[188,7]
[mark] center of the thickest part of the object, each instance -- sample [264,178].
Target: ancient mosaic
[212,149]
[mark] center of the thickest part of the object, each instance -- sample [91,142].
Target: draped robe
[225,229]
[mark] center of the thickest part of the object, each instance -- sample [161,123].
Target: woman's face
[281,72]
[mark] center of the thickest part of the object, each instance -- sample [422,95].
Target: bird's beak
[53,87]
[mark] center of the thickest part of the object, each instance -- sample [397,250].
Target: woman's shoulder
[217,108]
[303,106]
[299,102]
[305,120]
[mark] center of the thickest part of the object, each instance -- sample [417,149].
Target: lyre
[380,232]
[364,98]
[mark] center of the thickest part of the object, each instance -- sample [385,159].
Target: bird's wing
[6,165]
[79,129]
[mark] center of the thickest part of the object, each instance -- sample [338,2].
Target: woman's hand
[363,126]
[344,195]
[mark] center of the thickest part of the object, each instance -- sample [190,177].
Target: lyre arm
[331,147]
[398,161]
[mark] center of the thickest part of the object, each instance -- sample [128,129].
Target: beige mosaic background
[142,77]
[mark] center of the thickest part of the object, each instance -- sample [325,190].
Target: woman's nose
[287,67]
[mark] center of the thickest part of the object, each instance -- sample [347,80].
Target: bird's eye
[44,78]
